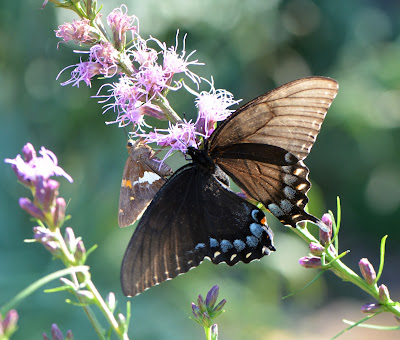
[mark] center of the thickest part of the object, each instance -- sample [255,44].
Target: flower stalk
[330,260]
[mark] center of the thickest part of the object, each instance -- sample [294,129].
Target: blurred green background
[249,47]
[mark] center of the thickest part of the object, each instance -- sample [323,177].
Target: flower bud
[69,335]
[367,271]
[384,296]
[212,296]
[110,301]
[196,311]
[59,212]
[218,308]
[80,254]
[325,236]
[316,249]
[201,304]
[9,325]
[28,206]
[56,333]
[310,262]
[370,308]
[70,239]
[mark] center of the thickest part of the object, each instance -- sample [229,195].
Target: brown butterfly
[144,174]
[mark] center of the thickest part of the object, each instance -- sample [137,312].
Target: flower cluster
[146,70]
[49,210]
[56,334]
[206,311]
[34,172]
[324,251]
[318,249]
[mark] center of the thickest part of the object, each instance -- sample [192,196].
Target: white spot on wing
[148,177]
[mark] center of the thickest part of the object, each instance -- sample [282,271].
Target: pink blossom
[44,167]
[213,107]
[106,55]
[84,71]
[177,63]
[179,136]
[120,23]
[78,31]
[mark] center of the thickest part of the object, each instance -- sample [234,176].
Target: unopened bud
[326,236]
[316,249]
[384,296]
[310,262]
[367,271]
[370,308]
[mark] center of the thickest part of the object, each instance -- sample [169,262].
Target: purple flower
[107,56]
[79,31]
[179,136]
[45,166]
[120,23]
[56,334]
[367,271]
[204,312]
[178,63]
[84,71]
[212,107]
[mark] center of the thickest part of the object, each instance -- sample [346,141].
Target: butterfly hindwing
[143,176]
[192,217]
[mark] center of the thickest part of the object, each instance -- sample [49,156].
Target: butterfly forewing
[261,146]
[289,117]
[194,216]
[143,176]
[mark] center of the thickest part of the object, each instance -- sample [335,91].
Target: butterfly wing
[139,185]
[262,145]
[192,217]
[288,117]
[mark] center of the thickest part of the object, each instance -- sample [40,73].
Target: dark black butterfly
[195,215]
[144,174]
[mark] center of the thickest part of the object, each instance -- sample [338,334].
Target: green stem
[344,272]
[39,283]
[207,330]
[106,311]
[171,115]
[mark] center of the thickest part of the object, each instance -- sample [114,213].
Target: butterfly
[195,215]
[144,174]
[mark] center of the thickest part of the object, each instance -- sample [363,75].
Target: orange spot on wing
[127,183]
[263,220]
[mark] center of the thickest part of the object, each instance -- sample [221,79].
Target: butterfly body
[144,174]
[195,215]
